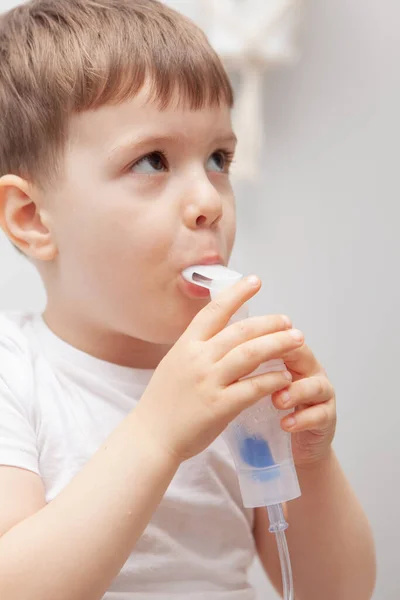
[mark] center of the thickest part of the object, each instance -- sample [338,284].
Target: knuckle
[319,386]
[197,359]
[325,417]
[281,344]
[248,352]
[214,398]
[331,393]
[274,323]
[215,306]
[243,326]
[193,350]
[282,322]
[199,377]
[256,385]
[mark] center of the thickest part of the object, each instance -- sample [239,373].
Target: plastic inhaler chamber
[262,451]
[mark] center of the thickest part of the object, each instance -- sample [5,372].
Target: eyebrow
[148,140]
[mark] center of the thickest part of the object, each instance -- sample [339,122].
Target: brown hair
[60,57]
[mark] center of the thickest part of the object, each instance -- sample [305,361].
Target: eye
[220,161]
[154,162]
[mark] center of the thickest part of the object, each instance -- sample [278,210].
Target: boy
[115,146]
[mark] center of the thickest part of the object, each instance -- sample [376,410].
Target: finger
[247,357]
[312,390]
[216,315]
[245,393]
[320,417]
[302,362]
[245,330]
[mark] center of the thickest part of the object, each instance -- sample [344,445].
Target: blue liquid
[257,453]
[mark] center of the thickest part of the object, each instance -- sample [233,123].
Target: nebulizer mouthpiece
[261,449]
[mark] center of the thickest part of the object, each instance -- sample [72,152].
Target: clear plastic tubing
[278,526]
[261,450]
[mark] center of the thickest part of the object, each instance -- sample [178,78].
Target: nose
[203,205]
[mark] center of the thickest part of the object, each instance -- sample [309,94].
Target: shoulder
[15,353]
[18,415]
[13,334]
[12,326]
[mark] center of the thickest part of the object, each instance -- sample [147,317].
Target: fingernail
[296,335]
[253,280]
[287,375]
[287,321]
[290,422]
[285,398]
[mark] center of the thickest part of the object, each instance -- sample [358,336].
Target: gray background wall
[322,232]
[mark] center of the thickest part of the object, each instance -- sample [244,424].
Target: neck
[110,346]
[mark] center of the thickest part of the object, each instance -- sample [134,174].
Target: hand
[195,391]
[312,396]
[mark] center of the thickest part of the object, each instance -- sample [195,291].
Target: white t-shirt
[58,405]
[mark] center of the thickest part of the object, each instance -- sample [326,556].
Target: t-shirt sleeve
[18,447]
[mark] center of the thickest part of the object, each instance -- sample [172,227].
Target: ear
[24,222]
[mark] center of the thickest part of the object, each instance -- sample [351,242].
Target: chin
[169,331]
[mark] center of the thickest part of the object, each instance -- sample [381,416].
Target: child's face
[125,229]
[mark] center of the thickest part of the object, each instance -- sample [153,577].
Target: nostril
[200,220]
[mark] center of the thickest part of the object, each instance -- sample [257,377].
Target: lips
[192,290]
[209,259]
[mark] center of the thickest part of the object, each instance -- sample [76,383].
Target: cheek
[229,227]
[113,253]
[109,227]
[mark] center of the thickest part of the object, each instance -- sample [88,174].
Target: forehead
[113,125]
